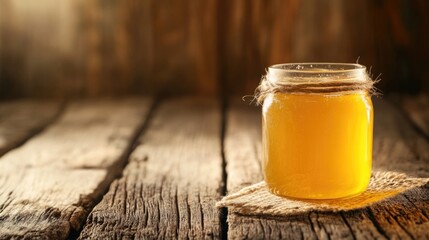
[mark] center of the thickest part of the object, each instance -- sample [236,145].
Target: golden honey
[317,146]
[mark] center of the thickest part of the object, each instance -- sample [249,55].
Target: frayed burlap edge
[315,86]
[257,200]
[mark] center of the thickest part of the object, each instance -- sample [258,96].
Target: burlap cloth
[316,81]
[257,200]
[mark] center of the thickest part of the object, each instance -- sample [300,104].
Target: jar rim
[317,67]
[314,78]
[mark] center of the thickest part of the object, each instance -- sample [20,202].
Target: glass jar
[317,141]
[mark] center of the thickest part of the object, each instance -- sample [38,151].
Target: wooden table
[144,168]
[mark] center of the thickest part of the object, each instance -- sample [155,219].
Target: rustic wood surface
[188,153]
[48,185]
[20,120]
[172,181]
[417,109]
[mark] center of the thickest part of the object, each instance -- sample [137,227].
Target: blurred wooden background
[81,48]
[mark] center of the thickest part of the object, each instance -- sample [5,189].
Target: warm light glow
[317,146]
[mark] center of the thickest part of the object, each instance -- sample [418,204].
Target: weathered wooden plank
[172,181]
[20,120]
[49,185]
[418,110]
[244,227]
[397,147]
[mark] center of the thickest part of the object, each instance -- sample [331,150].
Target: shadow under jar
[317,129]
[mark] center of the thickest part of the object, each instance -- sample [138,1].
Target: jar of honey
[317,130]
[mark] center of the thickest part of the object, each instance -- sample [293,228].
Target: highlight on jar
[317,129]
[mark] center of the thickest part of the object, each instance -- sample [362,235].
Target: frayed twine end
[267,87]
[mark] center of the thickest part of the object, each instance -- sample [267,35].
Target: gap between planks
[271,228]
[224,211]
[117,170]
[173,179]
[21,120]
[68,167]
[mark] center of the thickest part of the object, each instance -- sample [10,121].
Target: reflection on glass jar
[317,139]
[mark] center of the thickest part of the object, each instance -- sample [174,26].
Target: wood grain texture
[95,48]
[417,108]
[262,33]
[20,120]
[397,147]
[99,48]
[172,181]
[49,185]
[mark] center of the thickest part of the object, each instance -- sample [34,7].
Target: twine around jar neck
[315,78]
